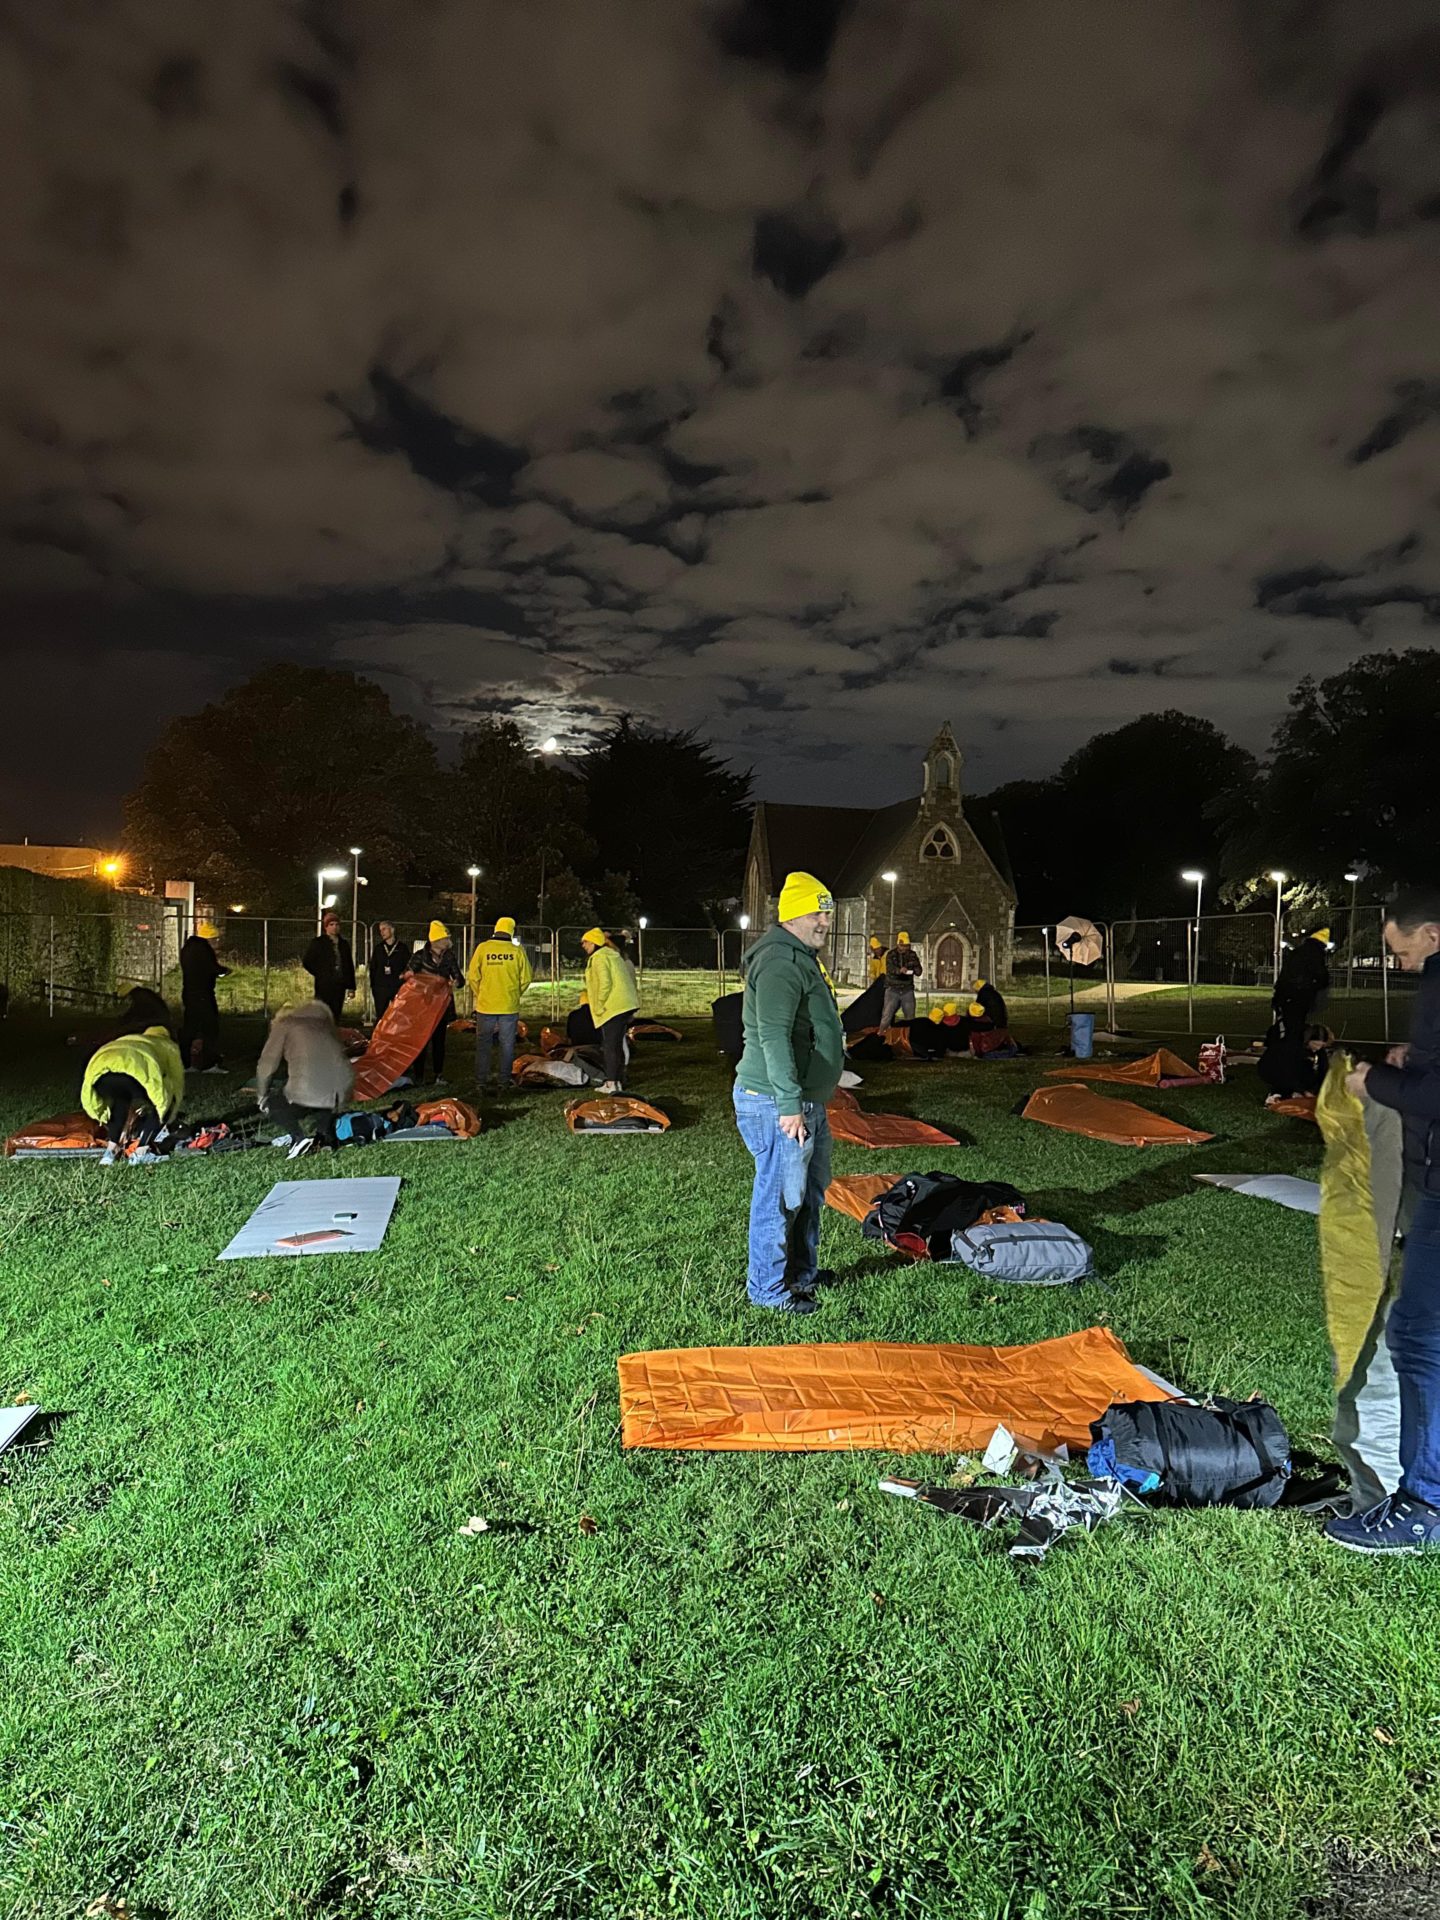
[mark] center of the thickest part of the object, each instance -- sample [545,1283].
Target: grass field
[249,1666]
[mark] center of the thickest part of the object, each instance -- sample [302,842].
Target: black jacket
[330,963]
[1413,1091]
[993,1001]
[388,967]
[426,960]
[1304,976]
[199,969]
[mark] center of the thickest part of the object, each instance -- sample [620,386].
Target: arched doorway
[951,970]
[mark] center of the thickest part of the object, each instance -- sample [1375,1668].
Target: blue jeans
[1413,1334]
[790,1183]
[488,1028]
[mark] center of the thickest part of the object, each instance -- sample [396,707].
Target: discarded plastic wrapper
[1002,1452]
[1047,1511]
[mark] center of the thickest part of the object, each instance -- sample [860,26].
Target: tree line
[282,775]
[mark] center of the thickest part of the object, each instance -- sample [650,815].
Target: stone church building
[951,891]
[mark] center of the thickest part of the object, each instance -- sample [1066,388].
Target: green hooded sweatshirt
[794,1043]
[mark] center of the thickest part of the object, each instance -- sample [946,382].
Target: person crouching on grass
[133,1086]
[791,1066]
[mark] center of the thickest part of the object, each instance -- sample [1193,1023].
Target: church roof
[847,847]
[843,846]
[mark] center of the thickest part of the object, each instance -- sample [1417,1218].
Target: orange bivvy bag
[900,1398]
[614,1113]
[65,1133]
[848,1121]
[856,1193]
[1159,1069]
[402,1034]
[1120,1122]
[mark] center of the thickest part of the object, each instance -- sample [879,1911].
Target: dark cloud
[798,372]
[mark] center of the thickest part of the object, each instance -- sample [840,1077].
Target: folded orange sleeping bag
[898,1398]
[848,1121]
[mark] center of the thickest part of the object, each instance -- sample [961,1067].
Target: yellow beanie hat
[977,1012]
[802,893]
[876,941]
[902,938]
[438,931]
[937,1014]
[950,1009]
[504,924]
[978,985]
[208,930]
[1321,933]
[595,937]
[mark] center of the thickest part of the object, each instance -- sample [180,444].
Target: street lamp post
[1195,878]
[1353,876]
[641,925]
[322,875]
[474,873]
[355,885]
[1279,879]
[891,878]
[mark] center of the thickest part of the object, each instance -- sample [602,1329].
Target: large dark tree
[668,811]
[1351,780]
[280,777]
[517,816]
[1109,835]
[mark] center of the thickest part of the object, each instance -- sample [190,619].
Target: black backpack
[935,1206]
[1230,1453]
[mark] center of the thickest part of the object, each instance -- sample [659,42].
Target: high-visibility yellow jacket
[610,982]
[151,1057]
[499,972]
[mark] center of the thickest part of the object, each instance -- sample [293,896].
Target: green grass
[250,1667]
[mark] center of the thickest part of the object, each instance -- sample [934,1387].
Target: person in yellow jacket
[134,1084]
[498,974]
[614,997]
[875,962]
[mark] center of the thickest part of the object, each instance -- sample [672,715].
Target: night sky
[807,375]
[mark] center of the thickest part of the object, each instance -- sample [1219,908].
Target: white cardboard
[312,1206]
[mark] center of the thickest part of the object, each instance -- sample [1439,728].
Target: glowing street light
[891,878]
[1195,878]
[474,873]
[1353,876]
[321,903]
[1279,878]
[744,923]
[641,924]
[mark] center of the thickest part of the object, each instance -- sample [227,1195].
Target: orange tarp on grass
[849,1122]
[1120,1122]
[901,1398]
[407,1024]
[1152,1071]
[856,1193]
[458,1115]
[603,1110]
[69,1132]
[1297,1106]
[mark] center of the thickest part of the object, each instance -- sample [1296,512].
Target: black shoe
[824,1277]
[798,1303]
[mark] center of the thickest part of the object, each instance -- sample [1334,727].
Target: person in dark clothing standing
[200,968]
[437,956]
[330,964]
[1300,986]
[389,963]
[902,970]
[1408,1520]
[989,996]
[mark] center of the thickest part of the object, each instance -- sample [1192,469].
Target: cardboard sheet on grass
[849,1121]
[67,1136]
[899,1398]
[317,1216]
[1301,1196]
[402,1033]
[1119,1122]
[1159,1069]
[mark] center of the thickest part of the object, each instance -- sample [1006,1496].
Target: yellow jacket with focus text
[151,1057]
[610,982]
[499,972]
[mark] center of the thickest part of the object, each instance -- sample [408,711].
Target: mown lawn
[251,1667]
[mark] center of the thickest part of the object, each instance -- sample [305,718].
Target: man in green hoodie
[794,1053]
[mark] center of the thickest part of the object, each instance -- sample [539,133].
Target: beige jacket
[303,1038]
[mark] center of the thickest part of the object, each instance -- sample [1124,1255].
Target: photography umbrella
[1081,943]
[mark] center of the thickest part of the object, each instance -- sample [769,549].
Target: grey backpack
[1024,1253]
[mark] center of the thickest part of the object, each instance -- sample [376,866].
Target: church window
[940,846]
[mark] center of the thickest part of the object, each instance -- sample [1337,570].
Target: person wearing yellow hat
[498,974]
[437,956]
[1300,987]
[903,968]
[200,968]
[330,964]
[613,998]
[875,960]
[793,1057]
[133,1086]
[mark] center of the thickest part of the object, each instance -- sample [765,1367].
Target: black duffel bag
[1229,1453]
